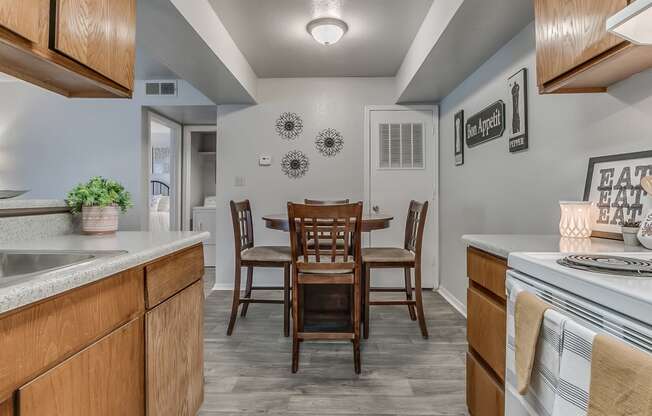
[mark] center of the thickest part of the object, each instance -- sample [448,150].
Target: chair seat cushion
[280,254]
[325,261]
[386,255]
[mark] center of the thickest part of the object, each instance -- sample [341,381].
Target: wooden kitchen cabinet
[175,363]
[76,48]
[575,53]
[101,349]
[27,18]
[486,333]
[99,34]
[105,379]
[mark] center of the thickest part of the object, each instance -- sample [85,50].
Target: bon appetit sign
[486,125]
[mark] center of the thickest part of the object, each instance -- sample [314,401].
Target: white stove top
[631,296]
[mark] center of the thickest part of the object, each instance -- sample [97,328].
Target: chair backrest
[325,223]
[416,221]
[318,202]
[243,225]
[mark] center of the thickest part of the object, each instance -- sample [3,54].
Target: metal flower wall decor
[295,164]
[329,142]
[289,126]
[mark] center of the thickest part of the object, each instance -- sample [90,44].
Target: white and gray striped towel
[572,398]
[540,397]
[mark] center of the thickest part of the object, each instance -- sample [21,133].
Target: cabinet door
[100,34]
[175,354]
[105,379]
[570,33]
[486,329]
[484,395]
[27,18]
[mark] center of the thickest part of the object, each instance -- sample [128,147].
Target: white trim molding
[452,300]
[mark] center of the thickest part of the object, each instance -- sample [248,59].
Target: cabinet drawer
[487,270]
[484,395]
[486,329]
[40,336]
[107,378]
[168,276]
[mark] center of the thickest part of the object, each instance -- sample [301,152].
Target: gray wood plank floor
[402,374]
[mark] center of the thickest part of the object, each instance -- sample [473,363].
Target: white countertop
[31,203]
[502,245]
[141,247]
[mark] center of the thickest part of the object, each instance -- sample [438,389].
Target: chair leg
[408,292]
[367,289]
[295,323]
[417,287]
[250,279]
[236,299]
[286,300]
[356,324]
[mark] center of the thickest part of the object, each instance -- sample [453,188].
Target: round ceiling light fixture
[327,30]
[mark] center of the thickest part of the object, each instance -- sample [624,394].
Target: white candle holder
[576,219]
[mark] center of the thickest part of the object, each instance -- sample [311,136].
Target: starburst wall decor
[329,142]
[295,164]
[289,126]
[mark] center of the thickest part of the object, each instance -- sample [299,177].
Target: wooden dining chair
[335,266]
[406,258]
[322,202]
[326,240]
[249,256]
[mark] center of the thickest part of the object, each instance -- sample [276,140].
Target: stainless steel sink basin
[17,264]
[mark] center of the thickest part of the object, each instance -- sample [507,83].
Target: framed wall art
[459,138]
[613,183]
[517,107]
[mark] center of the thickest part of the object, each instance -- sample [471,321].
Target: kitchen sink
[18,264]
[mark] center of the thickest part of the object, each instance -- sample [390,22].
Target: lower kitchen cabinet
[484,394]
[106,378]
[175,362]
[486,333]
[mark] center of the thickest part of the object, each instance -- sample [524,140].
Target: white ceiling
[148,67]
[272,35]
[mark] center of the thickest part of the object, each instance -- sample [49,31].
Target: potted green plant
[99,200]
[630,231]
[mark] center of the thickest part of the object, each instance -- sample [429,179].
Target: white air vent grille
[161,88]
[401,146]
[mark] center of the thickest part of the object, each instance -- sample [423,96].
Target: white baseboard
[222,287]
[454,302]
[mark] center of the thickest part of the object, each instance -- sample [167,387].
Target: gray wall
[49,143]
[247,132]
[496,192]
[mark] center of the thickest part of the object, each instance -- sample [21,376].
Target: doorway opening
[163,173]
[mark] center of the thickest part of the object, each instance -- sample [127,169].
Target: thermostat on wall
[265,161]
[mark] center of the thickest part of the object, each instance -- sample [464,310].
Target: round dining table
[370,222]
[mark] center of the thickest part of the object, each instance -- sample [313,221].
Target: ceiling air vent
[401,146]
[161,88]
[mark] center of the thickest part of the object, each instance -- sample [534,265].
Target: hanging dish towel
[540,396]
[528,316]
[572,398]
[620,379]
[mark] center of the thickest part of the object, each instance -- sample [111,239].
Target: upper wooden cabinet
[99,34]
[575,53]
[27,18]
[77,48]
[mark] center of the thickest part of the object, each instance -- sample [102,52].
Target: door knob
[376,209]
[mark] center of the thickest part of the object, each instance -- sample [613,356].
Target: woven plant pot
[100,220]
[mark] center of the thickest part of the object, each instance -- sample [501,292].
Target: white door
[401,157]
